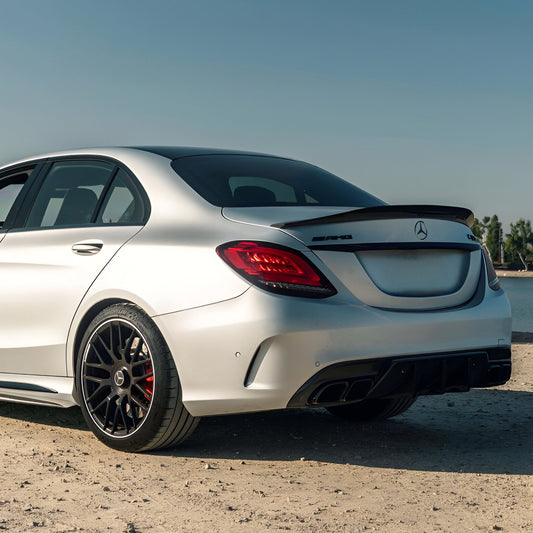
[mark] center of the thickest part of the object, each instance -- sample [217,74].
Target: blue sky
[416,101]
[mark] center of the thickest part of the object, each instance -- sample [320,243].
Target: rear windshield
[250,181]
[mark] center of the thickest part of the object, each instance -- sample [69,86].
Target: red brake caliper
[149,382]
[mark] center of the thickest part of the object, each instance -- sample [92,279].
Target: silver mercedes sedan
[152,286]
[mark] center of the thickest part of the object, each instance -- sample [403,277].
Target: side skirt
[51,391]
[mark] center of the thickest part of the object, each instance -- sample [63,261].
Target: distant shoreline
[514,274]
[522,337]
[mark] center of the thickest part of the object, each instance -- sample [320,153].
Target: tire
[127,383]
[369,410]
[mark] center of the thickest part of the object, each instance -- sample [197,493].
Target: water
[520,294]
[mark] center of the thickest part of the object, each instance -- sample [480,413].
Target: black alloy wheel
[118,378]
[128,385]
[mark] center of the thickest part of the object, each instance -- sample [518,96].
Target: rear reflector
[276,269]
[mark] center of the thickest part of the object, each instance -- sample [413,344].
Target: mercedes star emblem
[421,231]
[119,378]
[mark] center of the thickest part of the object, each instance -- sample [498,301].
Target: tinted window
[70,194]
[281,191]
[10,188]
[122,205]
[248,181]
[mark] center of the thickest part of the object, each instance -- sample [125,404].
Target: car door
[81,214]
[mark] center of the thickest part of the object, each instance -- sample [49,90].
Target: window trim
[33,169]
[23,211]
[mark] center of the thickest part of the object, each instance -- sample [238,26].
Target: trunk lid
[393,257]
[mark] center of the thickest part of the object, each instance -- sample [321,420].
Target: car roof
[168,152]
[176,152]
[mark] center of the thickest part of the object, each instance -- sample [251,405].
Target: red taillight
[276,269]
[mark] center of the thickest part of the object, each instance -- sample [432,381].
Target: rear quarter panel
[171,267]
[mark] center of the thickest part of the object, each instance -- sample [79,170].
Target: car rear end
[343,305]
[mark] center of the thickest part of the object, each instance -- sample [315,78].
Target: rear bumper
[404,377]
[257,351]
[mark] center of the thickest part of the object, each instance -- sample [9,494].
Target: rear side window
[250,181]
[10,188]
[123,204]
[70,194]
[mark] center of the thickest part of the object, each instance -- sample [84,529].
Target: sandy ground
[460,462]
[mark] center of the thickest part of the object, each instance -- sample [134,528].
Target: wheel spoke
[147,374]
[96,365]
[95,393]
[119,338]
[138,349]
[115,340]
[107,416]
[95,379]
[133,415]
[115,420]
[129,344]
[104,345]
[123,415]
[111,341]
[145,393]
[141,362]
[95,409]
[97,353]
[137,402]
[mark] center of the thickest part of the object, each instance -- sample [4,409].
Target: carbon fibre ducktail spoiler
[383,212]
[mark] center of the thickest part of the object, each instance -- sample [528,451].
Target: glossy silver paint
[236,348]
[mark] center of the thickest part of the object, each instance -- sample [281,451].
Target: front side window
[10,188]
[70,194]
[249,181]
